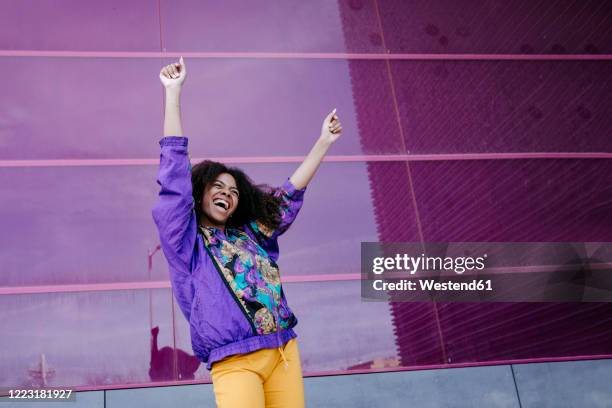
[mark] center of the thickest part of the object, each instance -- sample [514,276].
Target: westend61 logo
[413,264]
[487,272]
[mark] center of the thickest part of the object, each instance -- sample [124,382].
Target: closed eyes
[233,190]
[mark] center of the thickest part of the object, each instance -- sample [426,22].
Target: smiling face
[219,201]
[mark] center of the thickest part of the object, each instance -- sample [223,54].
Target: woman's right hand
[173,75]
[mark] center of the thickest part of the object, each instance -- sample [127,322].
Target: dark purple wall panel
[361,26]
[512,201]
[504,106]
[377,116]
[491,107]
[484,26]
[515,200]
[507,331]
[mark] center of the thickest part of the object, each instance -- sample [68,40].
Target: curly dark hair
[255,202]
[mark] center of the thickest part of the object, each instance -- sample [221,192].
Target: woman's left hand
[330,132]
[332,128]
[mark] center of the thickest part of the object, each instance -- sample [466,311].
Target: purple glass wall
[452,107]
[477,147]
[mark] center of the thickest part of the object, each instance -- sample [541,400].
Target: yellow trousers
[266,378]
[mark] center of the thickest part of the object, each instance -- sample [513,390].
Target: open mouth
[221,203]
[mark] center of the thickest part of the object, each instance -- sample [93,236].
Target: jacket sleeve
[175,217]
[291,202]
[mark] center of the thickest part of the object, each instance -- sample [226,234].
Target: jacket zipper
[227,285]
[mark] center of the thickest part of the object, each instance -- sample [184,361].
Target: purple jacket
[226,283]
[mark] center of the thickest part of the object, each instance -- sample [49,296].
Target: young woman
[219,234]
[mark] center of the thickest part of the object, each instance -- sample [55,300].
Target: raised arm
[330,132]
[172,77]
[291,193]
[174,211]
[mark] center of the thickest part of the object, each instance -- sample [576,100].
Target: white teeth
[223,203]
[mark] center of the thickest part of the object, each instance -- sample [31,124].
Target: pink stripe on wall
[102,287]
[298,159]
[304,55]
